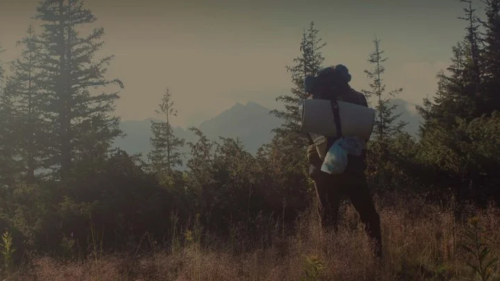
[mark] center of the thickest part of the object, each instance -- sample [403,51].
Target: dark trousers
[331,188]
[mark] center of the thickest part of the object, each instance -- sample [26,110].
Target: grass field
[421,242]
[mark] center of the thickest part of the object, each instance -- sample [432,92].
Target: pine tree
[473,41]
[387,129]
[386,125]
[201,154]
[200,178]
[450,100]
[461,93]
[288,147]
[288,140]
[23,87]
[491,57]
[81,121]
[466,93]
[308,63]
[166,155]
[473,96]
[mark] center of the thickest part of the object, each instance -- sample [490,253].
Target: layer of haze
[212,55]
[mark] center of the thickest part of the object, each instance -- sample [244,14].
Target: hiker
[333,83]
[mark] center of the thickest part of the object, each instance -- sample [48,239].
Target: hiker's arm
[313,157]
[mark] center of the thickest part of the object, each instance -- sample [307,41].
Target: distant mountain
[251,123]
[408,114]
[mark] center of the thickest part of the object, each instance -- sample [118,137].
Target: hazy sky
[212,54]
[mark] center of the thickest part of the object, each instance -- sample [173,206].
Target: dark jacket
[355,163]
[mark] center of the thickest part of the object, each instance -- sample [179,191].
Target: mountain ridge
[252,123]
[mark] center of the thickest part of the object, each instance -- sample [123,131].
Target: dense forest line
[62,185]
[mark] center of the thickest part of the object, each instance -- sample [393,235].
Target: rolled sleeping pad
[318,118]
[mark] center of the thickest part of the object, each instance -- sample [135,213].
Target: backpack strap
[338,126]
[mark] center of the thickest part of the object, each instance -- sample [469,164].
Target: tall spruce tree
[23,87]
[491,57]
[387,128]
[467,92]
[461,93]
[473,40]
[386,124]
[166,155]
[308,62]
[288,147]
[288,140]
[80,120]
[450,100]
[473,96]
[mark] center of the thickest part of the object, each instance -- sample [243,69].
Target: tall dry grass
[421,242]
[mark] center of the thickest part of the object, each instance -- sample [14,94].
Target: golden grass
[420,243]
